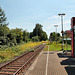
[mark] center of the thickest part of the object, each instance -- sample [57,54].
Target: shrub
[11,44]
[35,39]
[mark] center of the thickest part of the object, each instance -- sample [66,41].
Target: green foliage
[3,40]
[9,38]
[7,53]
[43,36]
[25,35]
[54,36]
[16,36]
[31,35]
[57,47]
[68,42]
[12,41]
[13,37]
[2,18]
[35,39]
[17,33]
[3,29]
[37,31]
[46,48]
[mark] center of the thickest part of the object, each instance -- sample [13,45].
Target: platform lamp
[62,28]
[56,32]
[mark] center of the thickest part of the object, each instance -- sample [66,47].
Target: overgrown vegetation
[46,48]
[10,52]
[9,38]
[38,34]
[55,42]
[14,42]
[54,36]
[56,47]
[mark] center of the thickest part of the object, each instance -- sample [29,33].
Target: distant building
[67,36]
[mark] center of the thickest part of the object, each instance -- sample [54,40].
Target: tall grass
[10,52]
[46,48]
[57,47]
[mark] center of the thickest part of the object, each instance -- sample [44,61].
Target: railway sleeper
[21,61]
[15,66]
[18,64]
[6,73]
[12,67]
[9,70]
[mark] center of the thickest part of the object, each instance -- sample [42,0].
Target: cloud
[49,23]
[53,17]
[67,22]
[35,17]
[51,28]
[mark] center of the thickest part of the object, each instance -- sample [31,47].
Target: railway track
[21,63]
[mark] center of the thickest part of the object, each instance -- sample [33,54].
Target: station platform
[50,63]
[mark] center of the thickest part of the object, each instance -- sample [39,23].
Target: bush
[14,41]
[35,39]
[11,44]
[7,53]
[3,40]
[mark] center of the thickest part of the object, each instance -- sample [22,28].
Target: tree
[31,35]
[18,34]
[3,23]
[35,39]
[12,37]
[43,36]
[25,36]
[2,18]
[4,30]
[37,31]
[58,34]
[54,36]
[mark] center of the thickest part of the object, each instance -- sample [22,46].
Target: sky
[26,14]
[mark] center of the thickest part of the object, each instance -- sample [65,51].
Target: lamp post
[56,32]
[66,40]
[62,28]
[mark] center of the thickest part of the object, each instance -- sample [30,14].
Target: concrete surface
[56,64]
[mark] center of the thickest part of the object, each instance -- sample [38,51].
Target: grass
[56,47]
[46,48]
[10,52]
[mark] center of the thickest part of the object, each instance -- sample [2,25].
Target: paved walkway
[49,63]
